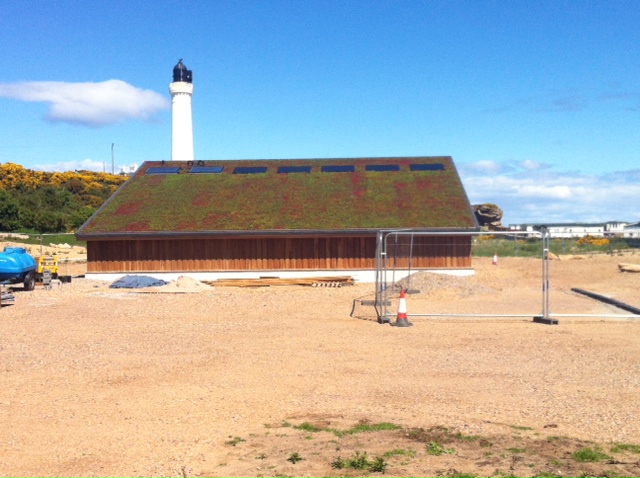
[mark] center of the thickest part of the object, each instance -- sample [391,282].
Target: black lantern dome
[180,73]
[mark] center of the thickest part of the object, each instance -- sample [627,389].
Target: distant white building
[570,230]
[632,231]
[616,227]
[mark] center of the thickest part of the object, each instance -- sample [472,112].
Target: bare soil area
[187,380]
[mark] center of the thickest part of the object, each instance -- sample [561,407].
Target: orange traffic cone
[401,320]
[495,259]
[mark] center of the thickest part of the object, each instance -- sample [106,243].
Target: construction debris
[136,282]
[629,267]
[182,285]
[272,281]
[6,296]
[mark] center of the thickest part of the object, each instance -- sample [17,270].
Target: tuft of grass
[456,474]
[308,427]
[399,452]
[613,474]
[285,424]
[618,447]
[374,427]
[367,427]
[436,449]
[295,458]
[504,474]
[360,461]
[516,451]
[546,475]
[585,455]
[463,437]
[359,428]
[517,427]
[234,441]
[379,465]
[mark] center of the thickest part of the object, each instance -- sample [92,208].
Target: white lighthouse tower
[181,121]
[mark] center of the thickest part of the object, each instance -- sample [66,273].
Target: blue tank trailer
[18,266]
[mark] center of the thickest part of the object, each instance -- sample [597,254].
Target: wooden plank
[275,281]
[625,267]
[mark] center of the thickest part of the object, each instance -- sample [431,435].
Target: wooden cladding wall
[285,253]
[428,252]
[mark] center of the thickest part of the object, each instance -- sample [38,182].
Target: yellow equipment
[47,262]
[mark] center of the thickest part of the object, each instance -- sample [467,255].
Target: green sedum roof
[167,198]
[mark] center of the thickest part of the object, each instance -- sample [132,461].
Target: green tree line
[42,202]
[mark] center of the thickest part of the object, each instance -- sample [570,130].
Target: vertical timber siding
[283,253]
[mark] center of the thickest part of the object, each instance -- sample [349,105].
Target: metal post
[381,278]
[409,290]
[544,318]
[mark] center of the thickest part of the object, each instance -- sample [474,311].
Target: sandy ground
[226,381]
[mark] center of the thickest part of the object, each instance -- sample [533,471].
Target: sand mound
[183,284]
[428,282]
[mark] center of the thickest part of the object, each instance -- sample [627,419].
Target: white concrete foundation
[368,276]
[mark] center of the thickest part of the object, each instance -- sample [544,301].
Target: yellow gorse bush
[593,241]
[14,176]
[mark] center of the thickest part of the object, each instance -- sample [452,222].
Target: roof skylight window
[206,169]
[294,169]
[162,170]
[346,168]
[250,170]
[427,167]
[382,167]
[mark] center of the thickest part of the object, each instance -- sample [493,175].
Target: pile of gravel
[429,282]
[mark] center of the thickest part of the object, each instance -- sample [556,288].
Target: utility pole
[112,163]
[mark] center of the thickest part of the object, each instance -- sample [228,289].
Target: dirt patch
[282,381]
[329,446]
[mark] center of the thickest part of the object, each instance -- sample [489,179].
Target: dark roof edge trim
[290,232]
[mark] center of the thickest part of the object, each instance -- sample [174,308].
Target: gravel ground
[213,381]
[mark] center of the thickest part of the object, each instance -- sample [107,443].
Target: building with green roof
[294,217]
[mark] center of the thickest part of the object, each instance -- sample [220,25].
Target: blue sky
[538,102]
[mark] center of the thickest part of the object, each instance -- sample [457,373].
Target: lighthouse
[181,121]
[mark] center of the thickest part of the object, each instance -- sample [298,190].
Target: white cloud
[529,195]
[484,166]
[89,104]
[85,165]
[531,165]
[543,191]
